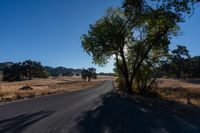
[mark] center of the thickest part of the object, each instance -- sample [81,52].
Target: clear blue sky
[49,31]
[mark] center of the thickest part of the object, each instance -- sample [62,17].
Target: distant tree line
[62,71]
[24,71]
[106,74]
[180,64]
[32,69]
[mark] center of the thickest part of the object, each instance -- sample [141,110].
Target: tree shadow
[122,114]
[19,123]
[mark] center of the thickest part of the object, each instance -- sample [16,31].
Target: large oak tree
[136,34]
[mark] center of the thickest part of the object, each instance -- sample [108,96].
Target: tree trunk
[128,87]
[89,79]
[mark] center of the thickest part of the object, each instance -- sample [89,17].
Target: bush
[120,83]
[25,88]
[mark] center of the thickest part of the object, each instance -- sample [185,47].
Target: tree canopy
[138,36]
[24,70]
[180,64]
[88,74]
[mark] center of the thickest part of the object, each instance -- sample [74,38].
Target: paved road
[55,113]
[96,110]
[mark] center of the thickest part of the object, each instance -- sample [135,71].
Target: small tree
[88,74]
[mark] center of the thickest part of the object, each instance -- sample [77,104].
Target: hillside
[58,71]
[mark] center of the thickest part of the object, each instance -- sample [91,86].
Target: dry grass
[184,91]
[10,90]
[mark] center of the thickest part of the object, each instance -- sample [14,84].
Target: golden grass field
[10,90]
[183,91]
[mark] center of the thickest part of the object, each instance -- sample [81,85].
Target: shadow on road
[118,114]
[19,123]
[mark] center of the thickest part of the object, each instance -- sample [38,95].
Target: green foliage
[25,70]
[181,65]
[62,71]
[88,74]
[195,67]
[33,69]
[138,35]
[179,60]
[4,65]
[104,37]
[107,37]
[120,83]
[13,73]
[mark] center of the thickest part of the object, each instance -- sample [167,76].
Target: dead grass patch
[9,91]
[180,91]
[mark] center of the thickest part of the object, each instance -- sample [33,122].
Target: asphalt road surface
[96,110]
[52,114]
